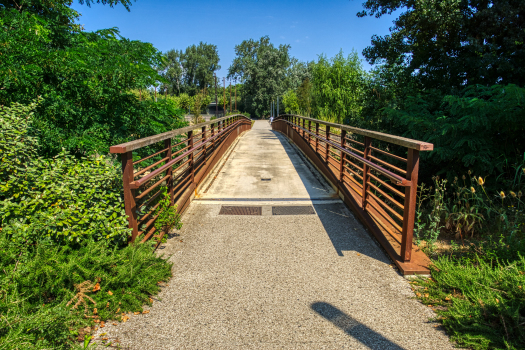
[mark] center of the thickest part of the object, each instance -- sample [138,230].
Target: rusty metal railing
[180,160]
[376,172]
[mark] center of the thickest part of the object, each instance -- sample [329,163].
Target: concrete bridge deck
[277,281]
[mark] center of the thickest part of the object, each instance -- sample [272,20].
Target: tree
[450,44]
[190,71]
[172,71]
[338,86]
[452,73]
[84,78]
[262,68]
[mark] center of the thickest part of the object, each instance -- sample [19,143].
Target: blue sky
[310,27]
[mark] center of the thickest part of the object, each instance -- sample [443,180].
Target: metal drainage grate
[266,179]
[293,210]
[238,210]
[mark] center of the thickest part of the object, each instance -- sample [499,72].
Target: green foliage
[84,79]
[481,303]
[481,128]
[168,217]
[59,199]
[17,146]
[261,67]
[337,87]
[39,280]
[190,71]
[290,102]
[446,45]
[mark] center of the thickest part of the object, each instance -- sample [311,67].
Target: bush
[59,199]
[40,281]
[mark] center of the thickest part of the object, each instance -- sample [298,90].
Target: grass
[54,296]
[480,303]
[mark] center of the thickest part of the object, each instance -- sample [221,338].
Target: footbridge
[296,235]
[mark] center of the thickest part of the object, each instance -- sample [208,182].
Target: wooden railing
[179,160]
[377,172]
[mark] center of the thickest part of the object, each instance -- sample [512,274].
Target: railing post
[343,155]
[410,204]
[204,144]
[309,135]
[327,134]
[366,155]
[304,126]
[317,138]
[191,164]
[213,134]
[169,181]
[129,194]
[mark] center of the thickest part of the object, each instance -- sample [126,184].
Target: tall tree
[190,71]
[338,87]
[449,44]
[172,71]
[84,78]
[262,67]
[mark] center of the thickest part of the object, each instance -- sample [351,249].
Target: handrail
[136,144]
[397,140]
[398,180]
[187,156]
[138,183]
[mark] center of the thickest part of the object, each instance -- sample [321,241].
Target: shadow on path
[353,328]
[340,228]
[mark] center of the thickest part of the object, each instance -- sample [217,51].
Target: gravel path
[279,282]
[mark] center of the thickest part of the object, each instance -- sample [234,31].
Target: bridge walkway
[277,281]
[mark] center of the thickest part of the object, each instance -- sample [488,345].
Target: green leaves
[262,68]
[62,199]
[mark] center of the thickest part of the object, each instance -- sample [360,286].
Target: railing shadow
[345,232]
[354,328]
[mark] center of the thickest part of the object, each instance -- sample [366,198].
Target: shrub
[40,280]
[59,199]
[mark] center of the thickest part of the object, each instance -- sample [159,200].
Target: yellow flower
[502,194]
[513,194]
[519,194]
[472,190]
[480,181]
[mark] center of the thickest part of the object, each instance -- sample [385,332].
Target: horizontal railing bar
[151,199]
[402,171]
[354,141]
[142,181]
[150,156]
[178,151]
[353,172]
[385,206]
[178,144]
[358,190]
[140,196]
[400,206]
[399,193]
[136,144]
[149,167]
[394,177]
[388,154]
[140,221]
[397,140]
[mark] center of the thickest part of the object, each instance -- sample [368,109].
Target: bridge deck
[276,281]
